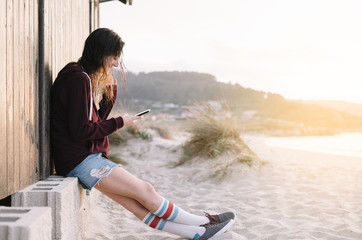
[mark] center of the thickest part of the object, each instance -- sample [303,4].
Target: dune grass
[212,135]
[115,157]
[122,135]
[117,138]
[144,130]
[162,131]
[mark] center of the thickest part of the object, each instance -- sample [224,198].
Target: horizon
[302,51]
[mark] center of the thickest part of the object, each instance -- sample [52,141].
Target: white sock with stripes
[183,230]
[173,213]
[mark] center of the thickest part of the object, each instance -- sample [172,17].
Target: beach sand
[296,195]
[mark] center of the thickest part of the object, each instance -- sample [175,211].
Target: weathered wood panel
[34,92]
[23,162]
[28,67]
[9,97]
[18,82]
[3,148]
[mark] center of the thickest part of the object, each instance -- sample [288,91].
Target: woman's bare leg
[128,203]
[121,182]
[142,213]
[140,198]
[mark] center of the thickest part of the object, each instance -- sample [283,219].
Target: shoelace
[214,220]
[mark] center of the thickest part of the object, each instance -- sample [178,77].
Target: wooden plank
[3,152]
[77,17]
[10,95]
[29,93]
[62,49]
[16,96]
[43,112]
[75,10]
[20,80]
[66,39]
[27,80]
[36,88]
[55,41]
[35,109]
[33,52]
[60,44]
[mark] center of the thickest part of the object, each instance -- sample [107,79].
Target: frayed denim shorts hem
[92,169]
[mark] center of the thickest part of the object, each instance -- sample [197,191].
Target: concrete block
[68,201]
[30,223]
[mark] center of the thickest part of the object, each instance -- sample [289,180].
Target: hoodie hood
[69,69]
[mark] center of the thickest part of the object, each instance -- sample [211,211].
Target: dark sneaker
[216,229]
[215,219]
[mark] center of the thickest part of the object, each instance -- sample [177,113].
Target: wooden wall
[37,38]
[19,164]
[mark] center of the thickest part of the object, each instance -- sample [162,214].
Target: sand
[296,195]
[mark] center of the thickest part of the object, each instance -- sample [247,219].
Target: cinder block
[68,201]
[30,223]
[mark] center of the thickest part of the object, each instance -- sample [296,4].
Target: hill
[184,88]
[181,89]
[351,108]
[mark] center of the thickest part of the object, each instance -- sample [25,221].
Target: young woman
[79,130]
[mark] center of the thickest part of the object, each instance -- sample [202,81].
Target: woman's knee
[148,189]
[149,198]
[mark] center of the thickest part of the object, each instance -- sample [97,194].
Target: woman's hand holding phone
[128,120]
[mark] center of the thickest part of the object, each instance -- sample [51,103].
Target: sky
[301,49]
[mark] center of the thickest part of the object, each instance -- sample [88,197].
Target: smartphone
[143,112]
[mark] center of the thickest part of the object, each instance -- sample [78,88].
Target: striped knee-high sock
[173,213]
[176,228]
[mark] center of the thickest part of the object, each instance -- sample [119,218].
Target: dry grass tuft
[134,129]
[117,159]
[122,135]
[163,132]
[212,136]
[117,138]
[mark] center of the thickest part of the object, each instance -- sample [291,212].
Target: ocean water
[346,144]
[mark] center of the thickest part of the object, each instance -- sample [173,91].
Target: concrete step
[68,201]
[25,223]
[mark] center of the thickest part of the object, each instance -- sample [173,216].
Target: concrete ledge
[25,223]
[68,201]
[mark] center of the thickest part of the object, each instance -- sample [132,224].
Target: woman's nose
[115,64]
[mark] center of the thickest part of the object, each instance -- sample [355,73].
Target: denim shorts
[92,169]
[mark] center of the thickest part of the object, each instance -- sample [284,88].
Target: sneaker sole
[226,227]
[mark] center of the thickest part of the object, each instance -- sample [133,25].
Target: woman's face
[111,61]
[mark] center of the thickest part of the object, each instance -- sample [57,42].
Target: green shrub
[145,135]
[218,148]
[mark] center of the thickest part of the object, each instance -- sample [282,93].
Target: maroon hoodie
[73,136]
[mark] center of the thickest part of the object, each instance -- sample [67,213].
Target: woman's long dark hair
[100,44]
